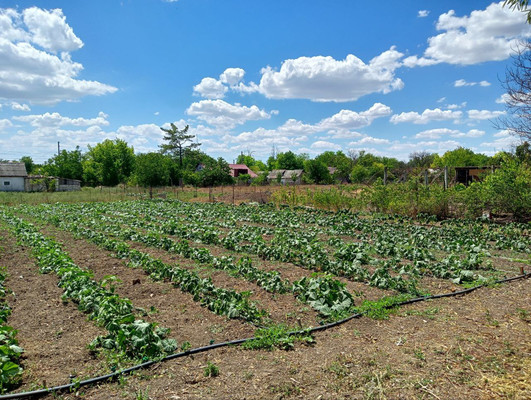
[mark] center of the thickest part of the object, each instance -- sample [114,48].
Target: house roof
[242,166]
[13,170]
[285,173]
[274,173]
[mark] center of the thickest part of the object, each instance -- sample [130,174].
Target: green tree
[523,153]
[251,162]
[152,169]
[338,160]
[289,160]
[109,163]
[178,141]
[67,164]
[461,157]
[420,159]
[317,171]
[28,162]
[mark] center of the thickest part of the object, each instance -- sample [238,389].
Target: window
[7,183]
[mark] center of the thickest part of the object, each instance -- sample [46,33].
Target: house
[12,177]
[41,183]
[287,176]
[241,169]
[467,175]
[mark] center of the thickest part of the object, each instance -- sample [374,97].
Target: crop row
[334,300]
[10,351]
[135,338]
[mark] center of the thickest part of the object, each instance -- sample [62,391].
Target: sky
[256,76]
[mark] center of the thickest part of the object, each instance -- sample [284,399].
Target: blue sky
[387,77]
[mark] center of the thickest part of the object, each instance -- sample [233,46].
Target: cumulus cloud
[30,67]
[504,98]
[222,114]
[485,35]
[232,76]
[55,120]
[423,13]
[368,140]
[324,145]
[462,82]
[210,88]
[427,115]
[484,114]
[4,124]
[324,79]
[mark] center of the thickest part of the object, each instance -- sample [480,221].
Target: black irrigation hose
[75,385]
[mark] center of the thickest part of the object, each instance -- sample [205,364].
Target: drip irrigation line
[113,375]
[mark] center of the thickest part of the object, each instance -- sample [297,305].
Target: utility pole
[58,148]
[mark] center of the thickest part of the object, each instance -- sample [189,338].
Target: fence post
[426,177]
[233,194]
[385,176]
[445,178]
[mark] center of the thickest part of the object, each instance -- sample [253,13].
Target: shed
[12,177]
[287,176]
[467,175]
[241,169]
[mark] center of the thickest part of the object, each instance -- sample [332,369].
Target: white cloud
[440,132]
[485,35]
[368,140]
[30,69]
[427,115]
[348,119]
[232,76]
[484,114]
[323,79]
[210,88]
[504,98]
[5,123]
[19,107]
[222,114]
[441,100]
[462,82]
[423,13]
[55,120]
[49,30]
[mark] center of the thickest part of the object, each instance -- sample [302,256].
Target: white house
[12,177]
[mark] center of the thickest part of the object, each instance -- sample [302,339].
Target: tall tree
[178,141]
[66,164]
[109,163]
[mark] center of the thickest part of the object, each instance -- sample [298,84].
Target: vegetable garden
[155,278]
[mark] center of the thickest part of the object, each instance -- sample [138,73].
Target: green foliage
[382,308]
[152,169]
[10,352]
[67,164]
[28,162]
[508,189]
[287,160]
[276,336]
[108,163]
[461,157]
[317,171]
[178,142]
[211,370]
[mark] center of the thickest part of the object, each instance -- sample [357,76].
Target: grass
[276,336]
[382,308]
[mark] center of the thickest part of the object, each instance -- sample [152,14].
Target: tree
[177,142]
[317,171]
[28,162]
[517,83]
[289,160]
[109,162]
[66,164]
[461,157]
[420,159]
[520,5]
[152,169]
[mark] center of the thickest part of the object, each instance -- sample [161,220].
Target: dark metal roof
[13,170]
